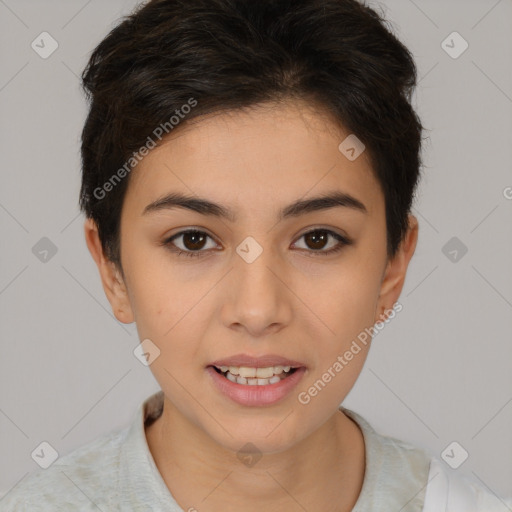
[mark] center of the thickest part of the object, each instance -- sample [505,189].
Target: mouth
[256,382]
[251,376]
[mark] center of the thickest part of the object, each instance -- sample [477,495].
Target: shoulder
[390,454]
[81,480]
[395,472]
[449,491]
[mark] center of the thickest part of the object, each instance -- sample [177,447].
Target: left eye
[193,241]
[320,236]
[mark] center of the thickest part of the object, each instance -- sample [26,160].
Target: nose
[258,298]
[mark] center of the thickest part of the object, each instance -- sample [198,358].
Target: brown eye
[194,240]
[193,243]
[317,239]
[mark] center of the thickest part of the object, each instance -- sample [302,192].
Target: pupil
[317,237]
[193,236]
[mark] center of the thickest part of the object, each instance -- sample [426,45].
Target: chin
[265,436]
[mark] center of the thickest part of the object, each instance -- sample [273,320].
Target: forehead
[255,159]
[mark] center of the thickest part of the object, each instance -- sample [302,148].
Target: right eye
[192,238]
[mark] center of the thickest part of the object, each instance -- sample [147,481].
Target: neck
[324,471]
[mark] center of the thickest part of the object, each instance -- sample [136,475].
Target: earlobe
[396,270]
[111,278]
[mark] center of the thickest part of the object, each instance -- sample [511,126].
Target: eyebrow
[300,207]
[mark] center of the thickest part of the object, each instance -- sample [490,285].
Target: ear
[111,277]
[396,269]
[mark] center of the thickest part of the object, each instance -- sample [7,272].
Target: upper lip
[256,362]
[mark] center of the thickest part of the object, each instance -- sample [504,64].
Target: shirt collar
[142,484]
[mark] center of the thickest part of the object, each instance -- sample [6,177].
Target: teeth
[246,372]
[255,376]
[264,373]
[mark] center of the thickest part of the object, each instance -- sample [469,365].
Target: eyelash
[194,254]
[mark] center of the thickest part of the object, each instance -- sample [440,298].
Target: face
[254,282]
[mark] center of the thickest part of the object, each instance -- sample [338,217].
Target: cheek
[159,293]
[171,308]
[345,299]
[166,308]
[347,307]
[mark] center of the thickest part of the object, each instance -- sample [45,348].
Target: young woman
[248,174]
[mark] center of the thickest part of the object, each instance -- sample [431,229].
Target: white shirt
[116,472]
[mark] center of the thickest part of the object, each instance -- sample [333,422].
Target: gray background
[440,372]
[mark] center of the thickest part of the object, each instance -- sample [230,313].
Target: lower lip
[255,396]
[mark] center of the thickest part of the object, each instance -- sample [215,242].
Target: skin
[290,301]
